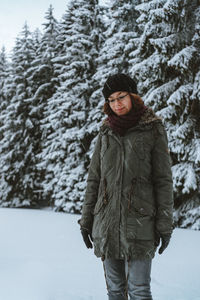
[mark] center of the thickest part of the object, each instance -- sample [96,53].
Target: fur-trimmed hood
[149,116]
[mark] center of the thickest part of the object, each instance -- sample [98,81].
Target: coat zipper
[122,166]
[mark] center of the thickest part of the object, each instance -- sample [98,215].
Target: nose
[118,104]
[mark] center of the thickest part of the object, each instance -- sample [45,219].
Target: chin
[121,113]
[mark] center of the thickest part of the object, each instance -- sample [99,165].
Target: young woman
[128,204]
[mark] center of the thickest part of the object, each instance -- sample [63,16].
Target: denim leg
[115,278]
[139,277]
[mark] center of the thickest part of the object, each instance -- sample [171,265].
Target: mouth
[119,109]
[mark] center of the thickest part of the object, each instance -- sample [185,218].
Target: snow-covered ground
[42,257]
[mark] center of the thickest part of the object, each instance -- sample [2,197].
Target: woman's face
[120,103]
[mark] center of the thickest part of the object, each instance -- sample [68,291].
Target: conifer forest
[51,97]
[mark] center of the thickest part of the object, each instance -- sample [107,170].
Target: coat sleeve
[162,181]
[91,194]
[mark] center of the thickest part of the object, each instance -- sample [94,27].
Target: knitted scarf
[120,124]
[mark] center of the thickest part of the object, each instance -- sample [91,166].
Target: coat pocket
[141,228]
[145,228]
[131,228]
[144,203]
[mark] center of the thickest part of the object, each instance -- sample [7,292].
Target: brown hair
[137,104]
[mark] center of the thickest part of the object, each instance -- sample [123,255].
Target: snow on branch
[181,61]
[164,44]
[184,176]
[162,92]
[173,6]
[146,7]
[182,92]
[43,88]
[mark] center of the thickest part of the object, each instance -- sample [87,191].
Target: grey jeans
[128,278]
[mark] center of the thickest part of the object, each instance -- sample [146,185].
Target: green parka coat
[129,190]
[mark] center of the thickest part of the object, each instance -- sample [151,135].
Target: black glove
[165,239]
[87,237]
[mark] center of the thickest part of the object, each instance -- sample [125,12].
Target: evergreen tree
[166,67]
[3,64]
[3,75]
[61,48]
[45,54]
[121,36]
[3,98]
[43,79]
[32,83]
[66,141]
[17,145]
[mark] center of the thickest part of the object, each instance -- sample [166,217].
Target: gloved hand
[87,237]
[165,239]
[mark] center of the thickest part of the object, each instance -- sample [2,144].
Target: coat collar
[145,122]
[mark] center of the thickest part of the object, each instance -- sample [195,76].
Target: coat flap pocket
[145,210]
[145,228]
[141,228]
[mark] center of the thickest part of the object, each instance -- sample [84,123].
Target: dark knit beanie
[119,82]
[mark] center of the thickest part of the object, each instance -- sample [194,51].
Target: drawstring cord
[105,192]
[129,199]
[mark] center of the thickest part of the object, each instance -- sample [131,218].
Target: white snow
[42,257]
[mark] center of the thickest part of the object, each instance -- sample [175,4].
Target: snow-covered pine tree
[3,64]
[46,54]
[166,67]
[18,161]
[3,77]
[147,60]
[7,91]
[121,37]
[44,81]
[66,141]
[185,134]
[3,103]
[61,48]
